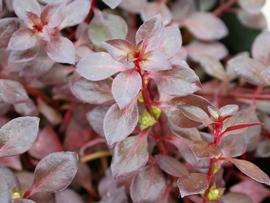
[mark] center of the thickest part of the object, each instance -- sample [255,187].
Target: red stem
[224,7]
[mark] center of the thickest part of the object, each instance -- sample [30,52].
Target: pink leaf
[53,15]
[171,166]
[126,162]
[259,50]
[148,185]
[21,8]
[252,6]
[18,135]
[194,183]
[54,173]
[98,66]
[4,191]
[235,197]
[203,150]
[12,92]
[125,87]
[251,170]
[68,196]
[156,61]
[7,27]
[118,124]
[75,12]
[22,201]
[112,3]
[61,50]
[198,23]
[98,92]
[22,39]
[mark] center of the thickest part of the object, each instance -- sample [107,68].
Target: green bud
[156,112]
[16,194]
[146,120]
[215,193]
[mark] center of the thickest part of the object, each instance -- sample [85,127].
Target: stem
[224,7]
[96,155]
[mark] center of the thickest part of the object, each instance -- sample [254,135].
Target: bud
[215,193]
[16,194]
[146,120]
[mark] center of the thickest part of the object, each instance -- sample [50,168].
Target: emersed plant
[172,105]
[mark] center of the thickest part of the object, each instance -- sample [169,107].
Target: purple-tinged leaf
[235,197]
[10,178]
[98,66]
[22,56]
[12,162]
[128,157]
[52,15]
[259,50]
[118,124]
[21,8]
[18,135]
[54,173]
[228,110]
[179,81]
[233,145]
[171,166]
[198,24]
[125,87]
[47,142]
[203,150]
[148,185]
[252,6]
[98,92]
[112,3]
[251,170]
[22,39]
[26,108]
[255,21]
[133,6]
[12,92]
[105,26]
[4,191]
[72,16]
[61,50]
[7,27]
[68,196]
[194,183]
[117,195]
[155,61]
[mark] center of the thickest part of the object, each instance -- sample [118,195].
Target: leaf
[171,165]
[68,196]
[213,49]
[263,149]
[212,66]
[18,135]
[22,56]
[235,197]
[251,170]
[75,12]
[54,173]
[5,195]
[21,8]
[233,145]
[47,142]
[179,81]
[98,66]
[133,6]
[125,87]
[106,26]
[194,183]
[147,186]
[259,50]
[118,124]
[254,21]
[7,27]
[228,110]
[61,50]
[53,15]
[129,156]
[12,92]
[203,150]
[22,39]
[112,3]
[98,92]
[252,6]
[198,24]
[22,201]
[152,9]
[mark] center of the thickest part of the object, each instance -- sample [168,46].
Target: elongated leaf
[22,39]
[98,92]
[118,124]
[112,3]
[54,173]
[7,27]
[98,66]
[5,195]
[128,156]
[236,197]
[147,185]
[252,6]
[22,201]
[202,149]
[68,196]
[18,135]
[259,50]
[21,8]
[193,183]
[251,170]
[171,166]
[125,87]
